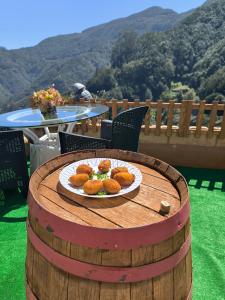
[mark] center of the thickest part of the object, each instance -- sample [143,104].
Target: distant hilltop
[189,55]
[74,57]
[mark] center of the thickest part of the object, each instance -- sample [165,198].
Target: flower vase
[48,112]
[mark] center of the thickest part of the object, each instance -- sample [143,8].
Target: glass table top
[26,118]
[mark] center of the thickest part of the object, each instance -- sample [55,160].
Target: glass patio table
[47,146]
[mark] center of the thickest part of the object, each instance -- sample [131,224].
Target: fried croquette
[84,169]
[78,179]
[111,186]
[104,166]
[117,170]
[92,187]
[124,178]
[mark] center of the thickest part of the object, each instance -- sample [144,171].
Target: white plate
[94,162]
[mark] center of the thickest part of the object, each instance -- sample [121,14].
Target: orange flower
[50,97]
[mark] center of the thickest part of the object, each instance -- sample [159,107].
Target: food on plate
[104,166]
[111,186]
[117,170]
[78,179]
[124,178]
[100,177]
[84,169]
[92,187]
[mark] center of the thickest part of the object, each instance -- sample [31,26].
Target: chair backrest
[11,144]
[73,142]
[126,128]
[13,164]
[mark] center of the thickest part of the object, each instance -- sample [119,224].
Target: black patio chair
[73,142]
[122,133]
[124,130]
[13,164]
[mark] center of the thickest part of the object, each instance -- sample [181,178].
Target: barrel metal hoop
[103,238]
[31,296]
[105,273]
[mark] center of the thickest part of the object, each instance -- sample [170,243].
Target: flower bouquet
[47,100]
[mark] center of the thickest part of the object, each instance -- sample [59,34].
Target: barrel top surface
[135,209]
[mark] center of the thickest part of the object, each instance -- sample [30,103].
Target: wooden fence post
[147,118]
[125,104]
[158,118]
[136,102]
[170,118]
[188,113]
[185,117]
[200,119]
[213,118]
[182,116]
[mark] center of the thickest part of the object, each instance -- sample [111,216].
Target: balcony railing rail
[183,118]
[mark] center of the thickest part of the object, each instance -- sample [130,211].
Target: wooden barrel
[122,248]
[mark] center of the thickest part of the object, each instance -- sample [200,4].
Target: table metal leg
[70,127]
[47,132]
[62,127]
[31,135]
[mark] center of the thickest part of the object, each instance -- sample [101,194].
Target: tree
[102,80]
[213,84]
[124,49]
[191,55]
[178,92]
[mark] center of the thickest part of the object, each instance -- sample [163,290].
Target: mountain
[192,53]
[209,2]
[74,57]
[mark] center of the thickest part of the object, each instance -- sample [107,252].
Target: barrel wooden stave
[48,282]
[60,285]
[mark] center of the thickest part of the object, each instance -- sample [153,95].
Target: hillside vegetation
[192,53]
[74,57]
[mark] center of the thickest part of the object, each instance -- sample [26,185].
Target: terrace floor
[207,190]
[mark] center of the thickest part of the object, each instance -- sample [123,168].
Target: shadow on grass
[204,178]
[10,200]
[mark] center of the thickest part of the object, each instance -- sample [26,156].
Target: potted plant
[47,100]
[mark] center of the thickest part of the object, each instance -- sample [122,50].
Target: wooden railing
[168,117]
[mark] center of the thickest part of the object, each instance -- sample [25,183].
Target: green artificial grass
[13,212]
[207,190]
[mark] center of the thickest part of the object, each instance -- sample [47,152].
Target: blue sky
[26,22]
